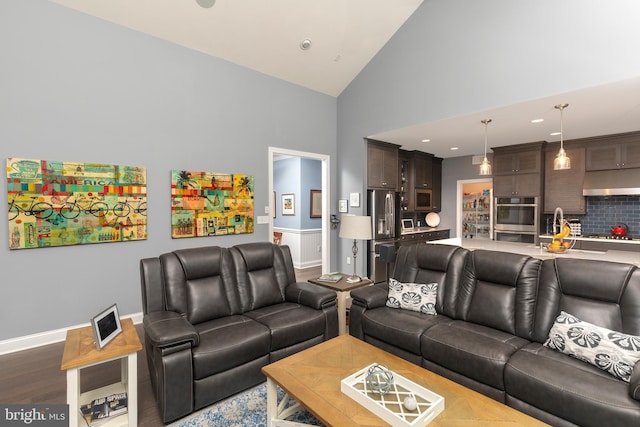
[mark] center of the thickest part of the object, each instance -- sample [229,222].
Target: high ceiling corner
[265,36]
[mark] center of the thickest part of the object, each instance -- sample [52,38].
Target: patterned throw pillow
[611,351]
[413,296]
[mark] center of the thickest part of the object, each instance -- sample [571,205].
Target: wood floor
[34,375]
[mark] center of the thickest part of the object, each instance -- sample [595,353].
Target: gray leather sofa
[213,317]
[495,311]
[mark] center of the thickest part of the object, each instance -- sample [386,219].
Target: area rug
[245,409]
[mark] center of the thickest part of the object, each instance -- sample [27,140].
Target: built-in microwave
[423,200]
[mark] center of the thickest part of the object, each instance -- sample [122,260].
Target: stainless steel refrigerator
[382,207]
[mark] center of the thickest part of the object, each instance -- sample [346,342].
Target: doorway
[474,207]
[273,154]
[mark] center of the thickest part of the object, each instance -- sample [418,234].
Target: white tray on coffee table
[390,406]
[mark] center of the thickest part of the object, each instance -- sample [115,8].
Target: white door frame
[326,196]
[461,182]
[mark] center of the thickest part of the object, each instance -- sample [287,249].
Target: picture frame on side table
[106,326]
[316,204]
[289,204]
[342,206]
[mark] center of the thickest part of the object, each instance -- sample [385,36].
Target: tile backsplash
[605,212]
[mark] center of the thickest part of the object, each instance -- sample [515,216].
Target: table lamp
[356,228]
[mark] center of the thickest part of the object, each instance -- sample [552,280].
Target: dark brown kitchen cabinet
[422,170]
[563,188]
[382,165]
[621,151]
[518,170]
[524,159]
[436,195]
[527,184]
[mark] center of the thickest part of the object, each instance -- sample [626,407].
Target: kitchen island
[541,253]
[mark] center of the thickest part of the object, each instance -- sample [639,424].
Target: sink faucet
[555,219]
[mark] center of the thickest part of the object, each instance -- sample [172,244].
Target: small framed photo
[106,326]
[316,204]
[288,204]
[354,200]
[342,206]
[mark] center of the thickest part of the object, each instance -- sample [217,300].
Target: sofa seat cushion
[401,328]
[475,351]
[289,323]
[569,388]
[228,342]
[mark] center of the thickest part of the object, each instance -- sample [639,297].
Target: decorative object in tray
[404,403]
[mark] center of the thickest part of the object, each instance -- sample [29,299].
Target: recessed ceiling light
[454,148]
[305,44]
[206,3]
[537,120]
[555,133]
[426,140]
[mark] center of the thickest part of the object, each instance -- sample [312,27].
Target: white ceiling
[265,35]
[601,110]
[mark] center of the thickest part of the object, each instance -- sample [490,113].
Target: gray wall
[77,88]
[455,57]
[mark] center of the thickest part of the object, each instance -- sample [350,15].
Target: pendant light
[561,162]
[485,166]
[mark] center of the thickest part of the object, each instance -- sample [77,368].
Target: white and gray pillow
[611,351]
[413,296]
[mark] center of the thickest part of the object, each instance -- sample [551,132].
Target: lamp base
[354,279]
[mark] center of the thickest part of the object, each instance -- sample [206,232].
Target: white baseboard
[49,337]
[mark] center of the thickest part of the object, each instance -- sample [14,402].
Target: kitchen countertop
[595,239]
[539,252]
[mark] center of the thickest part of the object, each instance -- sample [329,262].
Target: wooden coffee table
[312,377]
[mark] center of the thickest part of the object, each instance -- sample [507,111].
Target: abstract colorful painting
[53,203]
[210,204]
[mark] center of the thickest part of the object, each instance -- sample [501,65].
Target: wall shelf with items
[476,215]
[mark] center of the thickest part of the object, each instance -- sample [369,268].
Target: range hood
[617,182]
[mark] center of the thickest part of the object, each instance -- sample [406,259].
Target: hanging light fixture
[485,166]
[561,162]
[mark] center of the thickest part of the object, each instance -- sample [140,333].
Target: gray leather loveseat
[213,317]
[495,311]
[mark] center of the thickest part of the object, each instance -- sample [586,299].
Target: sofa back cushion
[428,263]
[606,294]
[199,283]
[498,290]
[262,274]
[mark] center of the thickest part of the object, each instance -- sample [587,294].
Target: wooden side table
[343,290]
[80,352]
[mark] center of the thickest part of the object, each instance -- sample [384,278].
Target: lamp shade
[355,227]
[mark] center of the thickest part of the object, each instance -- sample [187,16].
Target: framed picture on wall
[342,206]
[288,204]
[316,204]
[354,200]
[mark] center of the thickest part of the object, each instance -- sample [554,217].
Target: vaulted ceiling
[268,36]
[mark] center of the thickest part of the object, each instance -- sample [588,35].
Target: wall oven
[516,219]
[423,200]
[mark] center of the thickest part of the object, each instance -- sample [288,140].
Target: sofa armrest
[634,382]
[167,328]
[310,295]
[371,296]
